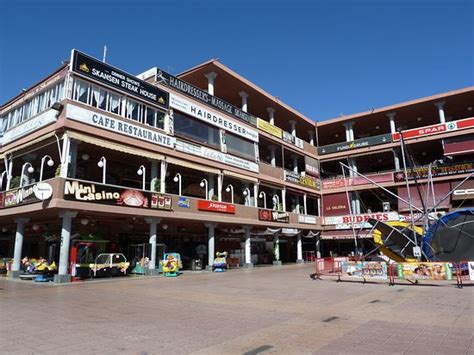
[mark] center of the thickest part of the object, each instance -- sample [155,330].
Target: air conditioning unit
[386,206]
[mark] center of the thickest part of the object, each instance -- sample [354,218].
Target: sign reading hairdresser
[203,114]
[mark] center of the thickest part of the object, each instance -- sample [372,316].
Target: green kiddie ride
[171,264]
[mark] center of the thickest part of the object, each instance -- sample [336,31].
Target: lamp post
[30,170]
[230,188]
[276,202]
[177,178]
[263,195]
[49,163]
[204,183]
[103,164]
[141,171]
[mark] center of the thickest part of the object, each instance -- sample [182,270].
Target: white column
[311,137]
[348,126]
[293,127]
[255,194]
[391,116]
[62,275]
[210,82]
[276,251]
[244,97]
[163,168]
[154,175]
[211,191]
[318,200]
[305,206]
[283,199]
[299,250]
[271,115]
[20,231]
[65,156]
[272,149]
[220,179]
[396,160]
[440,106]
[211,227]
[9,175]
[153,222]
[297,206]
[295,163]
[248,256]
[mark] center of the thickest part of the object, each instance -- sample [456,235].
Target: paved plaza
[268,310]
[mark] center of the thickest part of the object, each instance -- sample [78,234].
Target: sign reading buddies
[92,68]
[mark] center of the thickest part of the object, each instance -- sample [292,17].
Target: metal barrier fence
[413,272]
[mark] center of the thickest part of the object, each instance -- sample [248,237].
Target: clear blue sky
[323,58]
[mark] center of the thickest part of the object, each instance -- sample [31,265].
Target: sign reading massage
[111,76]
[203,96]
[358,143]
[214,206]
[203,114]
[113,195]
[273,216]
[118,126]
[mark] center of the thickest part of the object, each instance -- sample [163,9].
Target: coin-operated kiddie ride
[171,264]
[220,262]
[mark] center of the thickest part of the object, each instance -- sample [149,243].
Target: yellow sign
[269,128]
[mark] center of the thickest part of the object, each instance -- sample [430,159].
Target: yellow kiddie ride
[171,264]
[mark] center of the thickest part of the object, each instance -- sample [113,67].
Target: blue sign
[183,202]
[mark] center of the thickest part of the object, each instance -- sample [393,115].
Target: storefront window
[190,128]
[239,146]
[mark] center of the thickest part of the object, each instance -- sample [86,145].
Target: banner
[436,171]
[273,216]
[118,79]
[364,269]
[361,218]
[303,180]
[113,195]
[164,78]
[269,128]
[424,271]
[358,143]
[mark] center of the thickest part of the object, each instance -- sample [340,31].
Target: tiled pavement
[259,311]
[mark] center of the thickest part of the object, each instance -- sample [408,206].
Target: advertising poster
[364,269]
[470,266]
[425,271]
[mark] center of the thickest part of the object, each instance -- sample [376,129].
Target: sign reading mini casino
[273,216]
[109,75]
[203,96]
[214,206]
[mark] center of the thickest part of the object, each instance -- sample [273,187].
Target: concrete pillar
[153,222]
[211,186]
[283,199]
[440,106]
[244,97]
[210,82]
[318,245]
[311,137]
[255,194]
[295,163]
[9,175]
[396,160]
[271,115]
[272,149]
[299,250]
[163,168]
[20,231]
[211,227]
[297,205]
[391,116]
[293,127]
[63,275]
[276,251]
[305,205]
[220,180]
[154,175]
[248,250]
[65,156]
[72,158]
[318,201]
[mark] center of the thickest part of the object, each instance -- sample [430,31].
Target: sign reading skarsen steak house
[273,216]
[116,78]
[126,128]
[436,171]
[360,218]
[203,96]
[210,117]
[214,206]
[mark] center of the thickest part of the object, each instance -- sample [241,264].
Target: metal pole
[350,208]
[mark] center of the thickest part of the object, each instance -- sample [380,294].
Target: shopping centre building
[207,161]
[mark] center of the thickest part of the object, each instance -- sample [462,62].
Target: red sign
[467,123]
[214,206]
[335,204]
[336,183]
[423,131]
